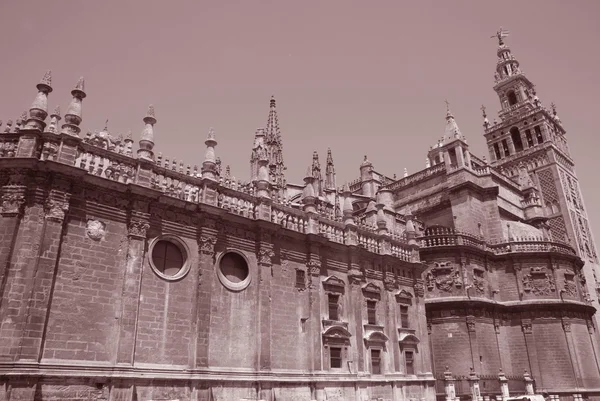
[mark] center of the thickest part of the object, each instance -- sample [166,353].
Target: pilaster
[137,229]
[266,255]
[207,242]
[56,207]
[313,267]
[68,149]
[355,279]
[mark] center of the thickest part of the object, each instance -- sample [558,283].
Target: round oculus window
[233,271]
[169,258]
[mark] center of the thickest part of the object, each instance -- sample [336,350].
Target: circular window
[169,257]
[233,271]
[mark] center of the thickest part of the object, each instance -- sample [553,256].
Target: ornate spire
[274,146]
[209,166]
[146,143]
[486,122]
[54,119]
[507,65]
[73,114]
[452,131]
[39,108]
[316,173]
[329,172]
[259,146]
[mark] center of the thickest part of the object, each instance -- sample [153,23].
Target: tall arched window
[515,134]
[512,98]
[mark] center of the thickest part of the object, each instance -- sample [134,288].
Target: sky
[361,77]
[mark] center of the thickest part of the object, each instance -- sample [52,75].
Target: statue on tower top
[501,34]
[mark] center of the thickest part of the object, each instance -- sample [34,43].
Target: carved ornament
[57,205]
[138,228]
[207,244]
[314,265]
[538,281]
[389,281]
[470,324]
[265,256]
[444,277]
[566,326]
[526,326]
[419,289]
[95,229]
[13,199]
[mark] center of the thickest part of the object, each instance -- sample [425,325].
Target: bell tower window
[516,138]
[497,151]
[529,138]
[512,98]
[538,134]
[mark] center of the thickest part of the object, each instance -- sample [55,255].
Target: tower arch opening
[512,98]
[515,135]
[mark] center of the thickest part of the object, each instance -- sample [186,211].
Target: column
[207,245]
[474,386]
[503,385]
[138,226]
[355,278]
[449,385]
[313,267]
[265,264]
[56,207]
[528,383]
[460,157]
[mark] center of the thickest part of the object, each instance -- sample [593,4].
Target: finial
[80,84]
[448,112]
[308,175]
[56,112]
[73,114]
[39,108]
[483,111]
[211,134]
[501,34]
[211,167]
[146,143]
[106,126]
[47,78]
[272,102]
[24,116]
[405,172]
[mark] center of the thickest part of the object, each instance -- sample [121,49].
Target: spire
[259,146]
[507,65]
[452,131]
[316,174]
[486,122]
[146,143]
[209,166]
[329,172]
[274,146]
[39,108]
[554,113]
[54,119]
[73,114]
[348,210]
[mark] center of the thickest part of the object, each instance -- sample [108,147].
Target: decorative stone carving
[419,289]
[526,326]
[538,281]
[570,288]
[138,228]
[265,256]
[497,326]
[207,244]
[95,229]
[566,326]
[590,326]
[444,277]
[57,205]
[389,281]
[471,324]
[13,199]
[314,265]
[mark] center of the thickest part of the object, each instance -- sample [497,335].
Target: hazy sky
[361,77]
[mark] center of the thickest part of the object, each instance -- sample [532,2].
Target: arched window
[516,138]
[512,98]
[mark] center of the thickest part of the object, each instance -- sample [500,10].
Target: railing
[8,144]
[442,236]
[438,169]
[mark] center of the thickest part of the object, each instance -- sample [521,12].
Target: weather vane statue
[501,34]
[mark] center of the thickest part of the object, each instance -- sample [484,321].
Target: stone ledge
[105,371]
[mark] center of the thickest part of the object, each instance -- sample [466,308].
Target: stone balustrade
[422,175]
[442,236]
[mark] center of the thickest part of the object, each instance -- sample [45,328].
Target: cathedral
[125,276]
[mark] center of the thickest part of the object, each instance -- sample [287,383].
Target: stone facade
[125,276]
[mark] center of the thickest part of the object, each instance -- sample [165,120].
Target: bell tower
[531,136]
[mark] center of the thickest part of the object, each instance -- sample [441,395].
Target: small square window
[375,362]
[335,358]
[404,323]
[333,301]
[372,312]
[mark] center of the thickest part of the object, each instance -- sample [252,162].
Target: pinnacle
[308,172]
[47,78]
[346,189]
[272,102]
[80,84]
[211,134]
[56,111]
[150,112]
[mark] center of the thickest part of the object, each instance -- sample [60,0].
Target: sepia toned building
[128,276]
